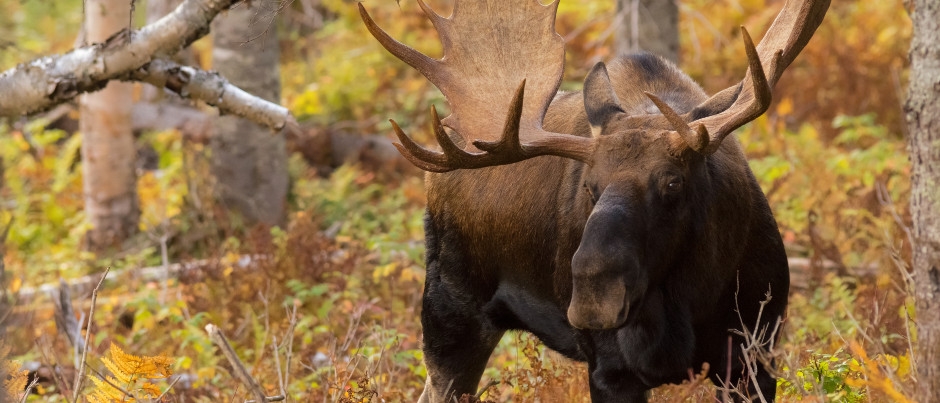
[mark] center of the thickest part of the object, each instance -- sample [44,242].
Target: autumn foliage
[131,377]
[326,308]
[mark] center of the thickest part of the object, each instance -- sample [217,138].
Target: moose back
[620,224]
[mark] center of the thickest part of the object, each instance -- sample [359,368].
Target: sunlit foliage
[337,290]
[130,377]
[16,379]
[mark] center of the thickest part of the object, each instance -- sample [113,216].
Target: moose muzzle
[600,305]
[605,270]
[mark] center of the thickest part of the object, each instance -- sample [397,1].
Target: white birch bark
[108,151]
[41,84]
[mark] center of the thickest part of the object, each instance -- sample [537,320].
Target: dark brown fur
[659,273]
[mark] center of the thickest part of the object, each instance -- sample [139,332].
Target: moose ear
[600,101]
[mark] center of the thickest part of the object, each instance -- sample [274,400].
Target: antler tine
[452,157]
[455,155]
[436,19]
[509,142]
[784,40]
[419,156]
[418,60]
[696,139]
[509,148]
[752,102]
[505,151]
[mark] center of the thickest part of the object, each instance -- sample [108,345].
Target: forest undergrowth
[326,308]
[336,293]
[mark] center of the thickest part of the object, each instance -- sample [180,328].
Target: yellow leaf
[15,285]
[15,383]
[904,365]
[854,365]
[151,389]
[785,107]
[384,271]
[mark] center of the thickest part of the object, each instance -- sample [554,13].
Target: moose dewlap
[638,240]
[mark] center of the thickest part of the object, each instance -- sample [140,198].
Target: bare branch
[213,89]
[29,389]
[43,83]
[80,376]
[237,367]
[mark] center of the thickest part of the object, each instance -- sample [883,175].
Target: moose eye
[673,187]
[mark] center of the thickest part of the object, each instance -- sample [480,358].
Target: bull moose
[619,224]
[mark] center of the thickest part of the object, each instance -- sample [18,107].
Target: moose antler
[501,59]
[787,36]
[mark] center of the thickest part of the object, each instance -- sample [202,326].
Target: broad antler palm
[503,63]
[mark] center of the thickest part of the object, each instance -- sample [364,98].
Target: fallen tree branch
[83,285]
[213,89]
[46,82]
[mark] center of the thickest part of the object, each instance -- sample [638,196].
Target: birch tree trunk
[108,153]
[923,120]
[249,161]
[650,25]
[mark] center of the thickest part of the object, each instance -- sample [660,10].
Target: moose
[620,224]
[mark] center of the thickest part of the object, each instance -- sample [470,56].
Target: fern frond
[16,380]
[141,366]
[129,366]
[123,377]
[151,390]
[128,370]
[106,392]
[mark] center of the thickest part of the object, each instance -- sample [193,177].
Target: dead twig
[168,389]
[127,394]
[277,365]
[238,367]
[290,344]
[484,389]
[80,377]
[29,388]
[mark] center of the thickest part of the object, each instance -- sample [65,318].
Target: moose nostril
[582,318]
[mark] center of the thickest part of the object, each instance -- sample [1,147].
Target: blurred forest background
[315,275]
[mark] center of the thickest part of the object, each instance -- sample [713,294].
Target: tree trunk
[650,25]
[923,119]
[248,160]
[108,152]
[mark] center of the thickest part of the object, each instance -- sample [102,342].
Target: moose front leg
[610,379]
[458,336]
[612,384]
[458,342]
